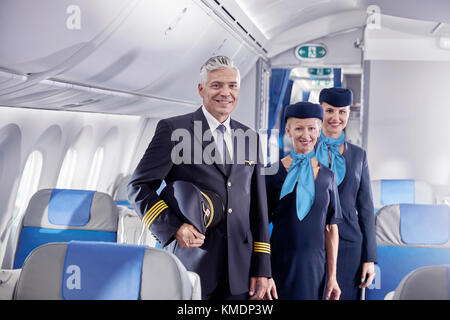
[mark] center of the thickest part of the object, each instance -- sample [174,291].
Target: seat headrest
[109,271]
[397,191]
[74,209]
[120,193]
[424,225]
[70,207]
[388,191]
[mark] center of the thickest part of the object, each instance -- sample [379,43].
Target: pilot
[304,209]
[233,258]
[357,244]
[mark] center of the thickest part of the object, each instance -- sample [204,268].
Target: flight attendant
[304,208]
[357,242]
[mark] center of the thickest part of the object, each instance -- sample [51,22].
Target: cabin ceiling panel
[46,95]
[144,48]
[39,35]
[176,72]
[411,27]
[430,10]
[8,80]
[143,107]
[275,17]
[406,39]
[164,57]
[154,37]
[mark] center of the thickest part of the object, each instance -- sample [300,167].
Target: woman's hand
[367,274]
[331,245]
[333,290]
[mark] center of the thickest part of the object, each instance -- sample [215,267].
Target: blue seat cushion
[31,238]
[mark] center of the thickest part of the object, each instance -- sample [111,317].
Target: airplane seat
[391,191]
[425,283]
[62,215]
[131,228]
[81,270]
[120,193]
[409,236]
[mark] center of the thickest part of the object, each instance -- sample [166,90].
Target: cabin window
[94,172]
[29,182]
[67,170]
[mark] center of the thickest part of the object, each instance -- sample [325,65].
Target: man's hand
[265,288]
[189,237]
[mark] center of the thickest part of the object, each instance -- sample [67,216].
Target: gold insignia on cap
[207,215]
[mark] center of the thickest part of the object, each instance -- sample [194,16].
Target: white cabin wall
[245,110]
[408,127]
[406,103]
[53,133]
[144,140]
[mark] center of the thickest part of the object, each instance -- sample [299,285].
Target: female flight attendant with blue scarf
[304,208]
[357,244]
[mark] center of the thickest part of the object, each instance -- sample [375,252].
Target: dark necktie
[222,147]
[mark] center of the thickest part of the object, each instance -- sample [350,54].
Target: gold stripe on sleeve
[262,247]
[151,212]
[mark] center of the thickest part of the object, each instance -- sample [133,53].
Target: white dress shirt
[214,123]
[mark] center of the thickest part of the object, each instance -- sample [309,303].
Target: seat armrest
[196,287]
[8,281]
[389,295]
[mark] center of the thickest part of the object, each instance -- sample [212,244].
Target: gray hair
[215,63]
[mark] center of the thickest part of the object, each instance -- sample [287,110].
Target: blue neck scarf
[301,170]
[328,148]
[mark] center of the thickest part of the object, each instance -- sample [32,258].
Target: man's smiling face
[220,93]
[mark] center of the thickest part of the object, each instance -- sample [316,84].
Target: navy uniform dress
[298,247]
[357,241]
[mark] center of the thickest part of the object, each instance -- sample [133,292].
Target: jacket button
[229,183]
[230,210]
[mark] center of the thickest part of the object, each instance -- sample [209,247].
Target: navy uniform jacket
[241,241]
[356,202]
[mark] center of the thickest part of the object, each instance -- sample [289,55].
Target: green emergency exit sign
[310,51]
[319,71]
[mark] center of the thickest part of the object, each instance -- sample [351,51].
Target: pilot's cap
[336,97]
[304,110]
[201,208]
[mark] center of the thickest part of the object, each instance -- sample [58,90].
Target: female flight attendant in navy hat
[304,208]
[357,244]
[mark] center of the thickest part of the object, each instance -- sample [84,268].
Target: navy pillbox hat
[337,97]
[304,110]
